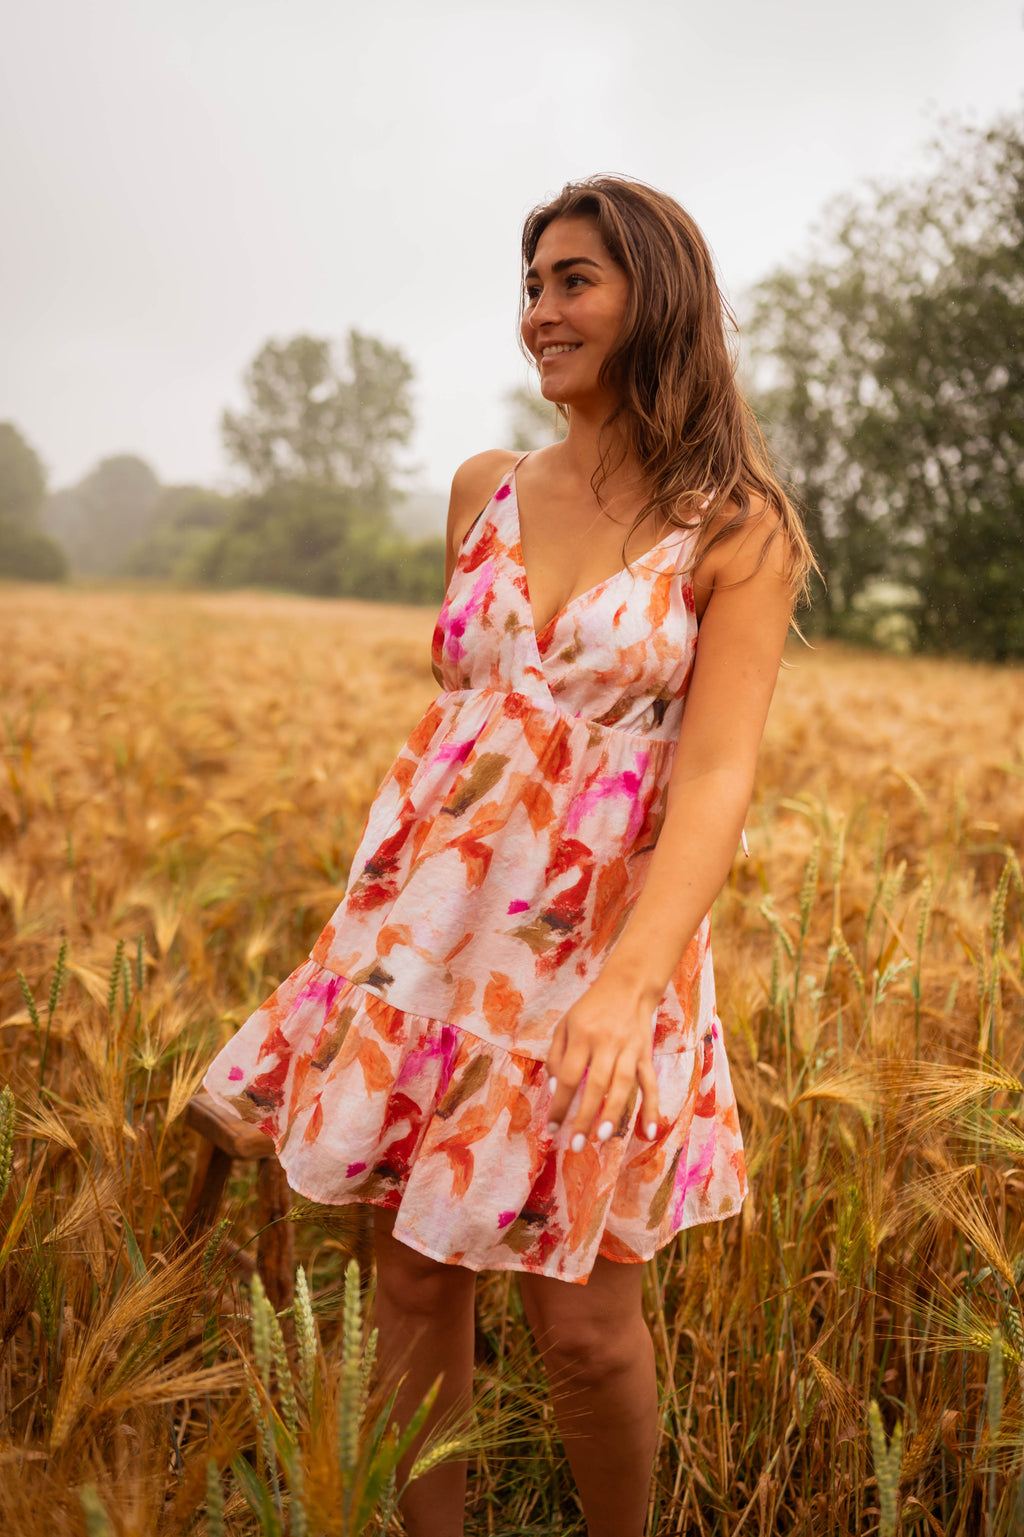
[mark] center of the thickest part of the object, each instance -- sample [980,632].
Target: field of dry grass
[184,780]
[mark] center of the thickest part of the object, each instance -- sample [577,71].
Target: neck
[588,442]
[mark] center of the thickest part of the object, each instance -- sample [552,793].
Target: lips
[558,349]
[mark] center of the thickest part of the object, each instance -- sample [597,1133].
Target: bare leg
[424,1315]
[600,1363]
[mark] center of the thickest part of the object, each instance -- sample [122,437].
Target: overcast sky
[182,179]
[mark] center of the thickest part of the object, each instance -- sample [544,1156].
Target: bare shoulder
[473,484]
[736,554]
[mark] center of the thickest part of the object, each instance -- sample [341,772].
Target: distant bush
[303,536]
[389,568]
[186,521]
[29,555]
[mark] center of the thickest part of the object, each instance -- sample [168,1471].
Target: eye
[574,278]
[532,293]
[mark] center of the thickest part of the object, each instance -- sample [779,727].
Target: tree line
[317,446]
[886,368]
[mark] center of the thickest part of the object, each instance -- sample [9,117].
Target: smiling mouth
[554,352]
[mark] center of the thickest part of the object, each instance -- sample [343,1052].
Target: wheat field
[185,778]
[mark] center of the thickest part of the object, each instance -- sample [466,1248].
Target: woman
[505,1039]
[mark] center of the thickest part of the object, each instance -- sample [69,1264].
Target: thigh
[611,1301]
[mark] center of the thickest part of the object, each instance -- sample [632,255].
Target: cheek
[526,332]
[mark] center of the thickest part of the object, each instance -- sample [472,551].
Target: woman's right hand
[607,1035]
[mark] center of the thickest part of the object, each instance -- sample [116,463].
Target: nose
[545,309]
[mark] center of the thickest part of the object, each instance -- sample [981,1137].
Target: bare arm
[608,1031]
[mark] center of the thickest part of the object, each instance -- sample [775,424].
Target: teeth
[548,352]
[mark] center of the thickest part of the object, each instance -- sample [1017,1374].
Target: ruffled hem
[367,1103]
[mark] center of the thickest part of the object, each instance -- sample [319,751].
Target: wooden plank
[237,1138]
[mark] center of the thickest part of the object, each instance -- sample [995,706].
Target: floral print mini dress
[402,1064]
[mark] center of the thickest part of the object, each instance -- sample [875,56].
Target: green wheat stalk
[888,1458]
[6,1138]
[214,1500]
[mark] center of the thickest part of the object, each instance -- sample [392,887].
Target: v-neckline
[577,597]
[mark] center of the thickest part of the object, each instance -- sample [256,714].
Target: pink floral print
[403,1063]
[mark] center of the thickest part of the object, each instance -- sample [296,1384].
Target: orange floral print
[402,1064]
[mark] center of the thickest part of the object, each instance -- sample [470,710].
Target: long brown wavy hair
[680,412]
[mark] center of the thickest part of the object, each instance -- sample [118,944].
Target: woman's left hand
[607,1034]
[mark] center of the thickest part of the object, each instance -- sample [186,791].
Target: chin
[550,396]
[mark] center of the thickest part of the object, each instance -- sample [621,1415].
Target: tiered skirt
[369,1103]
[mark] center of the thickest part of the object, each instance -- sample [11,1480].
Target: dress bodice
[617,655]
[509,841]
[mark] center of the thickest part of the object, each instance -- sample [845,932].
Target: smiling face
[576,299]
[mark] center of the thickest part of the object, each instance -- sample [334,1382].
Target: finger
[556,1051]
[608,1112]
[574,1064]
[649,1118]
[616,1113]
[599,1077]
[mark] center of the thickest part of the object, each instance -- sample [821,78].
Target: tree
[310,421]
[534,421]
[105,514]
[318,444]
[892,370]
[22,479]
[25,549]
[290,536]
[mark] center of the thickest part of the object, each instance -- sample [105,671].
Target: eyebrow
[567,261]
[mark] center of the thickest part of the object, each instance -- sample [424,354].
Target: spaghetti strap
[490,499]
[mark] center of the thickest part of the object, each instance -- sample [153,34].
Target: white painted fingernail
[652,1130]
[604,1131]
[553,1128]
[552,1085]
[578,1143]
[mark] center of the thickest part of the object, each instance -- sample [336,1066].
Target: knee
[580,1353]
